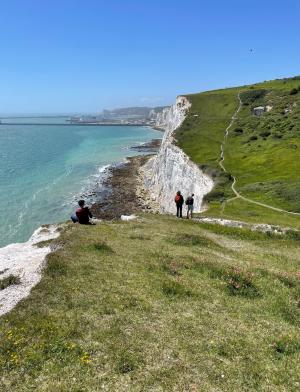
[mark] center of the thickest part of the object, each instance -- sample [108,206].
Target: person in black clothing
[83,214]
[179,202]
[190,206]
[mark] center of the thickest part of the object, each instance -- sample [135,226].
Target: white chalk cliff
[24,261]
[171,169]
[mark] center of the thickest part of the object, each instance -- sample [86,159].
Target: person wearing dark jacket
[179,202]
[83,214]
[190,206]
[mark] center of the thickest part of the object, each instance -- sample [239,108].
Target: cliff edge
[171,169]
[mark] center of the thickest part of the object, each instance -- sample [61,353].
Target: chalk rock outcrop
[25,262]
[171,169]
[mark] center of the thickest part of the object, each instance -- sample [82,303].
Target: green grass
[158,305]
[261,152]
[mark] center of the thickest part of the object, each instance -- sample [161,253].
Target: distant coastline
[82,124]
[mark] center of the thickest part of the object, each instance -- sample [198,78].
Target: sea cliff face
[171,169]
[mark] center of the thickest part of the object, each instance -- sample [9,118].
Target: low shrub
[240,282]
[265,134]
[294,91]
[238,130]
[251,96]
[293,234]
[277,136]
[253,137]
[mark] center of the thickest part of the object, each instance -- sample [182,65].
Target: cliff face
[171,169]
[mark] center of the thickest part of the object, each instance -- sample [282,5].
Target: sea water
[45,169]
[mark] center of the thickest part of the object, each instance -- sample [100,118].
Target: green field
[158,305]
[262,152]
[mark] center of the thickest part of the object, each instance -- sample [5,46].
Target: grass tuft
[9,281]
[286,346]
[56,265]
[240,282]
[288,279]
[127,362]
[174,289]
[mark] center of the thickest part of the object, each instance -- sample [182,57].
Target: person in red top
[179,202]
[83,214]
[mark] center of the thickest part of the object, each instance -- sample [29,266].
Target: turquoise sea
[44,169]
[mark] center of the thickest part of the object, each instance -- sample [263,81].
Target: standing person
[179,202]
[83,213]
[190,206]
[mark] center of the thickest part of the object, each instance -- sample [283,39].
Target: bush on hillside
[238,130]
[251,96]
[265,134]
[277,136]
[214,195]
[211,172]
[253,137]
[294,91]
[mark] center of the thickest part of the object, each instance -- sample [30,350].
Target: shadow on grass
[187,239]
[103,247]
[174,289]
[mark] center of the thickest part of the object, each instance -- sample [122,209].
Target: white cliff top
[24,261]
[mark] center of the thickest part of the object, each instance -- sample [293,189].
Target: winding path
[221,163]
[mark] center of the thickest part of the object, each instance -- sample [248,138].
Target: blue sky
[83,56]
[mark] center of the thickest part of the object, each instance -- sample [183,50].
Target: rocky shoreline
[123,194]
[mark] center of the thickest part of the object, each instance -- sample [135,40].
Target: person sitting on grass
[83,214]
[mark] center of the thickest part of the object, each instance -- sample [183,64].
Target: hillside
[158,305]
[261,150]
[167,304]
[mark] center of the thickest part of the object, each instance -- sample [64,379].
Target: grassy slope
[267,168]
[171,305]
[146,307]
